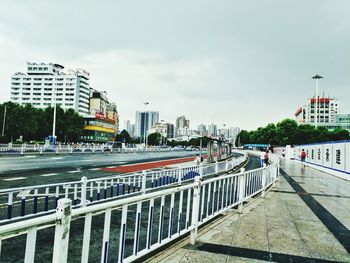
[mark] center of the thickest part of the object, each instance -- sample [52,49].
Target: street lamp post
[144,123]
[54,118]
[317,77]
[3,123]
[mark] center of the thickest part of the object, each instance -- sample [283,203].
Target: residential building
[160,128]
[143,122]
[212,130]
[170,130]
[182,122]
[327,108]
[202,129]
[44,84]
[98,102]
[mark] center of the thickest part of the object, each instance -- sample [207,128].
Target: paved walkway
[304,218]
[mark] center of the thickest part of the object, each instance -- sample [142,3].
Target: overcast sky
[240,63]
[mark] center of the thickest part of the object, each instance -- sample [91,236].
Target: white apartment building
[43,84]
[326,113]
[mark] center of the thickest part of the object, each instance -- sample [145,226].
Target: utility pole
[3,123]
[54,118]
[317,77]
[144,123]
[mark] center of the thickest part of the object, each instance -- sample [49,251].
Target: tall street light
[54,117]
[144,123]
[3,123]
[316,77]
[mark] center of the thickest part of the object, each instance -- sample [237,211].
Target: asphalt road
[32,169]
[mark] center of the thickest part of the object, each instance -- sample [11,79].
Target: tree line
[33,124]
[157,139]
[288,132]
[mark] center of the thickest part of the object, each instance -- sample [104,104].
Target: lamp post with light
[144,123]
[316,77]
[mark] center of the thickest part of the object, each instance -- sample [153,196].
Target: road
[33,170]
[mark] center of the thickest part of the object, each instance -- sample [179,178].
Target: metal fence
[132,227]
[22,149]
[24,202]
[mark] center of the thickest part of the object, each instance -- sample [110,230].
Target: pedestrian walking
[266,158]
[302,157]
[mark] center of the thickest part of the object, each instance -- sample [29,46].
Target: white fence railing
[24,202]
[22,149]
[130,228]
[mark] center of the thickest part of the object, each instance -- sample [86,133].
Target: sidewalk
[304,218]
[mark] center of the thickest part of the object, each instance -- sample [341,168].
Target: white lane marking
[88,160]
[56,158]
[14,178]
[46,175]
[111,167]
[30,156]
[73,172]
[94,169]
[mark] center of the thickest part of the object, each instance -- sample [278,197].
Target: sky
[240,63]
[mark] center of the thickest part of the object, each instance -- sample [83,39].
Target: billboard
[338,156]
[319,154]
[327,155]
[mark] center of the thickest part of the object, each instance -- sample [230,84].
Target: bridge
[226,211]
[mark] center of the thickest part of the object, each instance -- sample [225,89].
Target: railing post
[41,150]
[63,217]
[263,182]
[22,149]
[56,150]
[201,170]
[83,191]
[180,176]
[195,209]
[241,190]
[216,167]
[144,181]
[71,149]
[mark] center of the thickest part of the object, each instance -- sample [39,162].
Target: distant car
[112,145]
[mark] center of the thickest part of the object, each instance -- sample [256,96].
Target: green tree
[154,138]
[124,136]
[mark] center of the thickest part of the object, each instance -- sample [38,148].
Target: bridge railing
[133,227]
[23,202]
[22,149]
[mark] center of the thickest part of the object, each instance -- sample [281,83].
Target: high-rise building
[143,122]
[202,129]
[212,130]
[233,132]
[129,127]
[98,102]
[327,108]
[170,130]
[44,84]
[181,123]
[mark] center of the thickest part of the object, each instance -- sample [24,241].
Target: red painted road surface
[145,166]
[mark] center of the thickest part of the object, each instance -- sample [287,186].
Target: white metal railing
[22,149]
[133,227]
[24,202]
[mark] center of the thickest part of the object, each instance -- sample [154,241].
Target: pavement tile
[194,256]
